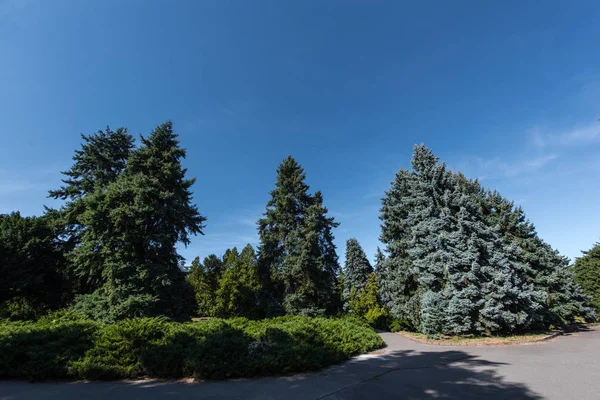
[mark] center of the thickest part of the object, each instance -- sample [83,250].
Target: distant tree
[366,303]
[203,276]
[32,267]
[297,258]
[356,269]
[239,285]
[587,273]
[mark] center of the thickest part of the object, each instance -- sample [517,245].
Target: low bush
[41,350]
[61,346]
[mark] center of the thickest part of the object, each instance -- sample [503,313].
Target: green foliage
[587,273]
[227,287]
[239,285]
[462,260]
[559,298]
[153,347]
[31,266]
[204,285]
[126,210]
[297,259]
[365,303]
[396,325]
[41,350]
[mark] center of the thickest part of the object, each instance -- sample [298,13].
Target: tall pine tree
[297,258]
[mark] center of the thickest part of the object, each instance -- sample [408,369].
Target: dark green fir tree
[297,259]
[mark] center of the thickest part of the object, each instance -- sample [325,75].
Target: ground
[563,368]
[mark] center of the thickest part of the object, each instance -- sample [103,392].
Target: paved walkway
[565,368]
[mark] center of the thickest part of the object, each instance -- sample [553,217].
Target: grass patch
[155,348]
[476,340]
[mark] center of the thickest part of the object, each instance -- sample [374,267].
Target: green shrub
[41,350]
[118,349]
[61,346]
[400,325]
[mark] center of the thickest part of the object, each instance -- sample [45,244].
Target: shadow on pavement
[450,374]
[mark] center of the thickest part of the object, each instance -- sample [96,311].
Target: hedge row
[153,347]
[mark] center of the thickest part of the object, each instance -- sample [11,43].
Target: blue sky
[505,91]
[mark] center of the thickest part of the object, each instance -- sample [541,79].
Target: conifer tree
[297,258]
[201,278]
[357,269]
[587,273]
[239,285]
[447,270]
[136,221]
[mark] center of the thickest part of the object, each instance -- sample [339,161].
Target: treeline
[458,259]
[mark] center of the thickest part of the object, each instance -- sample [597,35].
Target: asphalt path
[567,367]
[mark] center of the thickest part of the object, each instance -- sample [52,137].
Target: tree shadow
[453,374]
[575,328]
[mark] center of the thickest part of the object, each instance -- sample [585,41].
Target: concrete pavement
[565,368]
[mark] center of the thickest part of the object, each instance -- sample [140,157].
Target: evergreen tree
[587,273]
[357,269]
[134,224]
[204,276]
[239,285]
[447,270]
[32,267]
[297,258]
[366,303]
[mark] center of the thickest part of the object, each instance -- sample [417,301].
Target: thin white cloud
[577,136]
[497,168]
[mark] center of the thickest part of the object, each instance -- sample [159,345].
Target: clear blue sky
[507,91]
